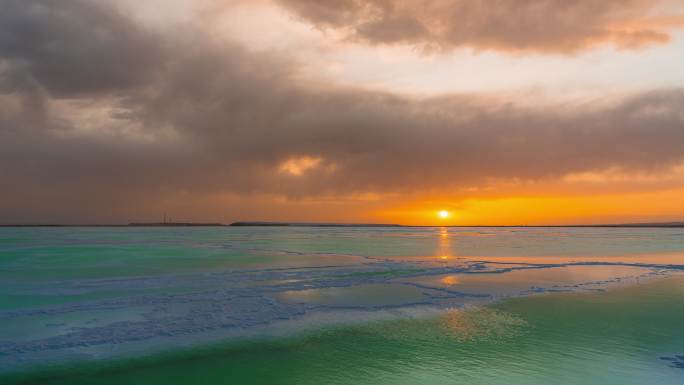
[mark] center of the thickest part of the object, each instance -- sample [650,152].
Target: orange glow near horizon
[547,203]
[661,206]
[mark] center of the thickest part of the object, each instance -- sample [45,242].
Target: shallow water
[341,305]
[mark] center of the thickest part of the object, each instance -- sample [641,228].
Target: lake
[341,305]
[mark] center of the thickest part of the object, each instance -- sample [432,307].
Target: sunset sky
[501,112]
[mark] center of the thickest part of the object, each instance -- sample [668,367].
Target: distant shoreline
[314,224]
[306,224]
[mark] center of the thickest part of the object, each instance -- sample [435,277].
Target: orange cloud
[299,165]
[549,26]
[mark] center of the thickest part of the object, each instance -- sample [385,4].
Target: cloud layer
[98,114]
[549,26]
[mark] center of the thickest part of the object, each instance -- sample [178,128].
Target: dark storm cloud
[209,117]
[559,26]
[73,47]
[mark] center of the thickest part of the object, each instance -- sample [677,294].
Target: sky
[501,112]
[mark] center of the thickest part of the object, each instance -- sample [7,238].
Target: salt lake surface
[305,305]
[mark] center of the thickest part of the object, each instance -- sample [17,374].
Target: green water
[341,306]
[615,337]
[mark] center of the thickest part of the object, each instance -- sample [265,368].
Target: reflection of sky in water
[522,281]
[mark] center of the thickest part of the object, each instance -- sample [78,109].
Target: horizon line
[675,224]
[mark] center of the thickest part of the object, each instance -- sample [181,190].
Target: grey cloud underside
[200,116]
[74,47]
[558,26]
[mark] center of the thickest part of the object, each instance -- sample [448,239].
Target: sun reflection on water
[450,280]
[444,245]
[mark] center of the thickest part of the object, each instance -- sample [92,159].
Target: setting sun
[443,214]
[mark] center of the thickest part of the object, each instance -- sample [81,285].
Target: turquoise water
[341,305]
